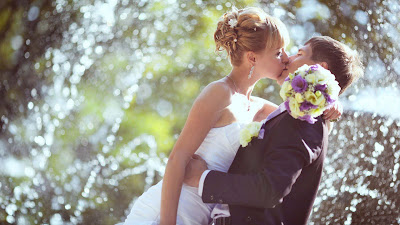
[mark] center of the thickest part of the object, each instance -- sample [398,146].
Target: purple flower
[307,105]
[287,106]
[299,84]
[328,98]
[314,67]
[261,134]
[320,87]
[308,118]
[287,78]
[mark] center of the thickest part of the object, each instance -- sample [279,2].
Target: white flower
[286,87]
[333,89]
[232,23]
[303,69]
[295,108]
[311,78]
[247,133]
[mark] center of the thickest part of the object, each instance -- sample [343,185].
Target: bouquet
[309,91]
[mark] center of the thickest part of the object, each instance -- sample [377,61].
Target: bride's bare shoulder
[219,86]
[266,108]
[217,89]
[217,92]
[263,101]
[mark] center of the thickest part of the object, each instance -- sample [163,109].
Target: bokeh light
[95,93]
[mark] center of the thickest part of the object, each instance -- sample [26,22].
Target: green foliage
[136,123]
[94,95]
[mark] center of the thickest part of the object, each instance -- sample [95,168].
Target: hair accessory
[232,23]
[235,40]
[251,72]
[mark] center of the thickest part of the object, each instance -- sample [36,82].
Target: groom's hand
[334,112]
[194,170]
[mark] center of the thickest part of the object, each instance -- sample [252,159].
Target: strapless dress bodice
[220,146]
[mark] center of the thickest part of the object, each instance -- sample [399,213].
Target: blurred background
[94,94]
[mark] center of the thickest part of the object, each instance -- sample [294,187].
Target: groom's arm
[292,145]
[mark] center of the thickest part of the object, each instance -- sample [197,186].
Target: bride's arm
[267,108]
[205,112]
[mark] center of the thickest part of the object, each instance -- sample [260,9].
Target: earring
[251,72]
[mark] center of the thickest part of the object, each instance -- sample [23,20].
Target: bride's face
[271,63]
[302,57]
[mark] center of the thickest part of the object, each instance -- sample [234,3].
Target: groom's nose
[290,59]
[284,57]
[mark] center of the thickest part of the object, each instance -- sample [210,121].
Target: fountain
[95,93]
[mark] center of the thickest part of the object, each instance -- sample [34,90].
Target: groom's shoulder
[303,128]
[312,136]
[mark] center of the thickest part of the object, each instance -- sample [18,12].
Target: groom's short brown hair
[343,62]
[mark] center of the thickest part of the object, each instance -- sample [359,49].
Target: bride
[255,45]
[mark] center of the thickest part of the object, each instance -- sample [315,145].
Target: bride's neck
[244,85]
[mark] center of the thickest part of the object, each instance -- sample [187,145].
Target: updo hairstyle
[248,29]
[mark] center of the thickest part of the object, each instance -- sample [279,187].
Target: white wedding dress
[218,150]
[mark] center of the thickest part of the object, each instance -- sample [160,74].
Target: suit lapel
[241,159]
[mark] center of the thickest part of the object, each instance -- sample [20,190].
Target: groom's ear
[324,64]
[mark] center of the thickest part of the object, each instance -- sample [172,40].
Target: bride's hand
[194,170]
[334,113]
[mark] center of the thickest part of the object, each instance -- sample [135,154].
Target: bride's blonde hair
[249,29]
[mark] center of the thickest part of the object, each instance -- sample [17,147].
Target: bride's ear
[324,64]
[251,57]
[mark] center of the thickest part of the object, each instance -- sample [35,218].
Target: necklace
[248,104]
[232,82]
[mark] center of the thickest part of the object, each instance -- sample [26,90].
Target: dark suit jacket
[273,180]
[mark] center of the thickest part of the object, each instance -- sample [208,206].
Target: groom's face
[302,57]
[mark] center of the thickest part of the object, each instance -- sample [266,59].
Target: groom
[275,180]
